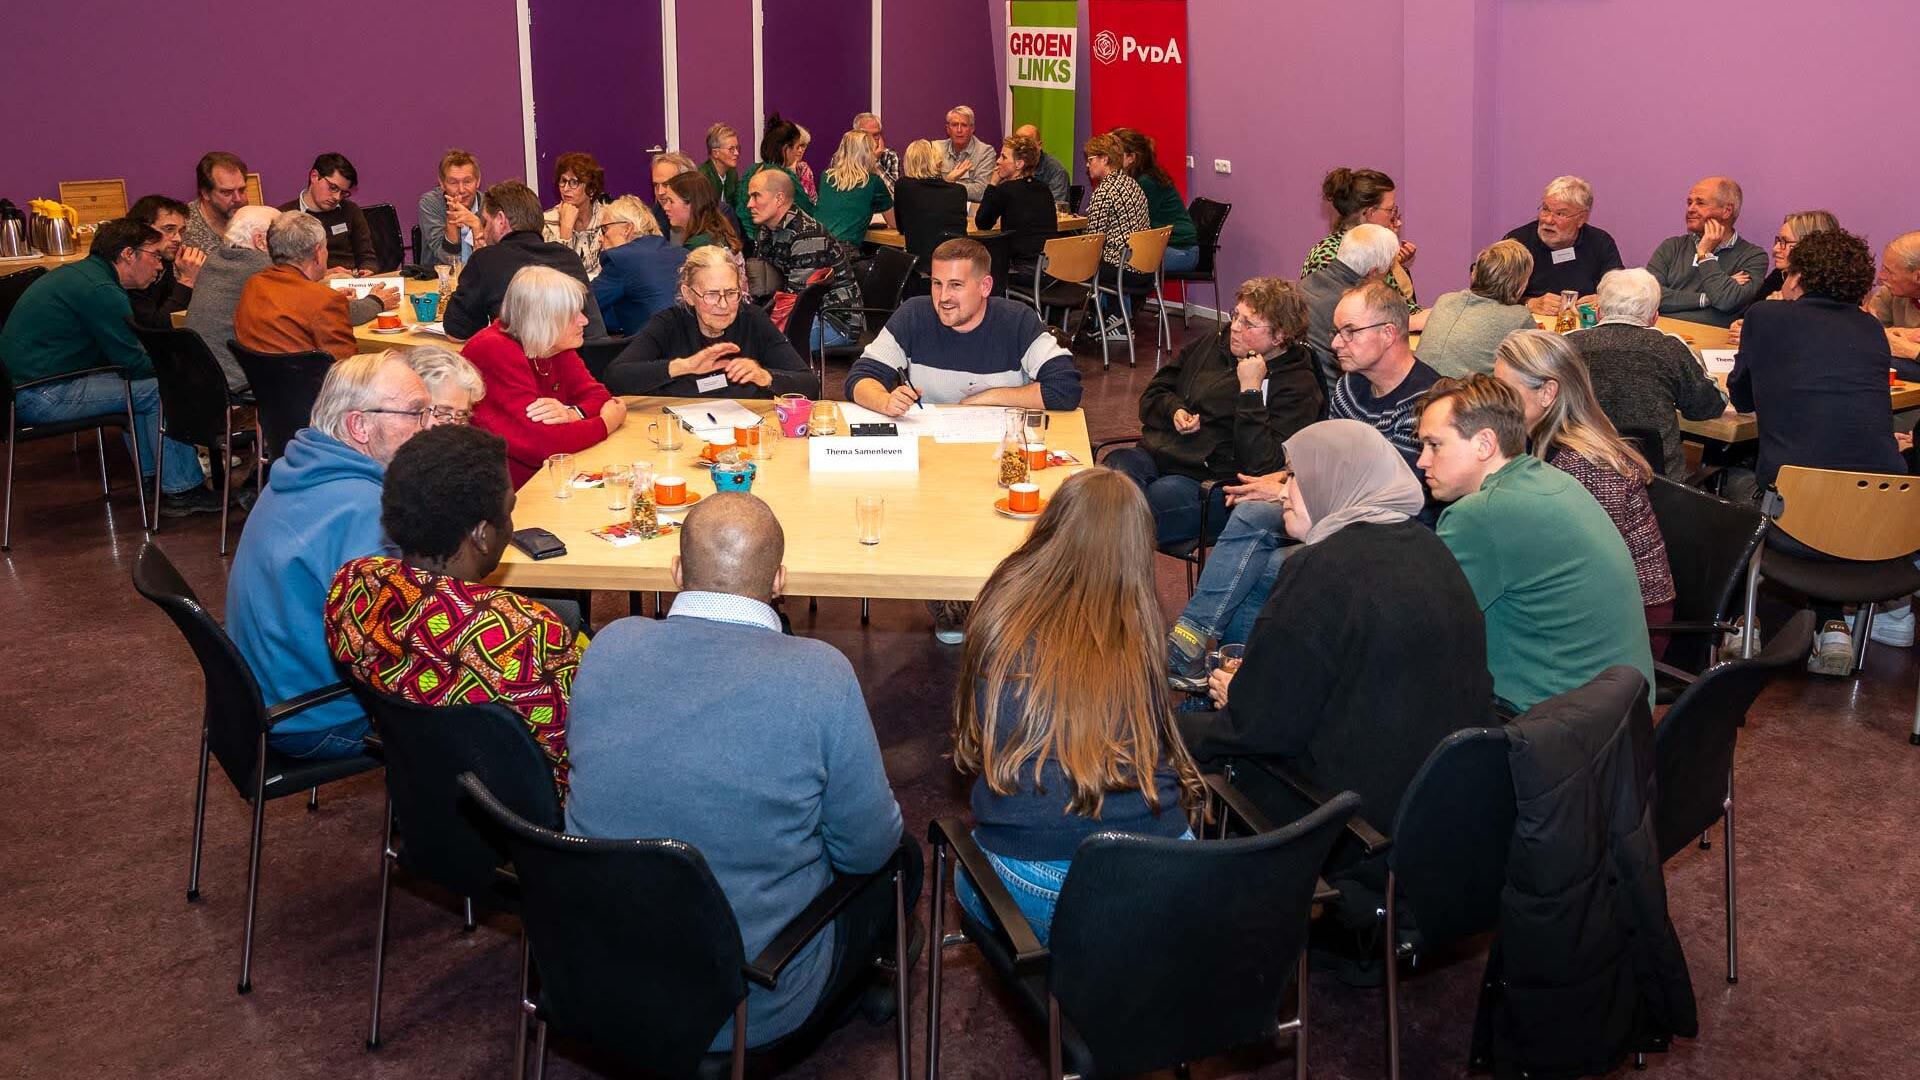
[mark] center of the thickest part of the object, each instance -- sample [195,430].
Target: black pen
[711,420]
[906,378]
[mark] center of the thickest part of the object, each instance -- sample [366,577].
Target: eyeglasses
[1784,241]
[1559,215]
[1346,333]
[719,297]
[157,253]
[443,414]
[420,416]
[570,181]
[611,224]
[343,192]
[1392,212]
[1248,324]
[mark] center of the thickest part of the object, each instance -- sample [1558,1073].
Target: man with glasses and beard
[1567,252]
[328,196]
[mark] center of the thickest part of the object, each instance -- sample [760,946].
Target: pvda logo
[1107,47]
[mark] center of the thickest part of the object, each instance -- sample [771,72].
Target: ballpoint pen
[906,379]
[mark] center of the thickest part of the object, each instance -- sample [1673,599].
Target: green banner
[1043,57]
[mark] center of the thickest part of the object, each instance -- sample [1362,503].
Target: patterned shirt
[1626,502]
[1394,414]
[799,246]
[198,233]
[437,640]
[887,164]
[1328,249]
[1119,209]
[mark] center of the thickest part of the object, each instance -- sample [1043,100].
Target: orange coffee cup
[669,490]
[1036,454]
[747,436]
[1023,498]
[388,320]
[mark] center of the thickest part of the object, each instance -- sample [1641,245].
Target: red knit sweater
[514,382]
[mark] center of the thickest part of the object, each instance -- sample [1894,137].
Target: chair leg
[1750,630]
[6,523]
[159,473]
[199,821]
[866,610]
[380,928]
[739,1041]
[540,1049]
[936,922]
[1392,962]
[1914,739]
[468,925]
[902,982]
[1100,321]
[1300,1013]
[253,864]
[1862,634]
[1055,1065]
[313,799]
[226,482]
[100,445]
[1733,938]
[524,1010]
[139,488]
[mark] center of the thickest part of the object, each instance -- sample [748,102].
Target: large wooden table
[940,537]
[895,238]
[1736,427]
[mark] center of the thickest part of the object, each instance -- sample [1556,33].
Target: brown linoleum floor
[106,971]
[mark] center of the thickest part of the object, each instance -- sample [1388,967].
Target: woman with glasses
[1797,227]
[715,343]
[1117,210]
[575,220]
[1364,197]
[1223,407]
[692,206]
[540,397]
[639,268]
[454,384]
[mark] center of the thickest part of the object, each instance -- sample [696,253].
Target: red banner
[1139,74]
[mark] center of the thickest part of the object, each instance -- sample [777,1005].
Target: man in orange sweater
[286,308]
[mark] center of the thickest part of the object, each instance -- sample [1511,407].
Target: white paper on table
[717,417]
[359,286]
[970,424]
[429,328]
[915,421]
[1718,361]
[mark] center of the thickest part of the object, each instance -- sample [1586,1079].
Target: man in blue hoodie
[320,510]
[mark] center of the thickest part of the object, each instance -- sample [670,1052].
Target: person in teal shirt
[852,191]
[780,149]
[1553,577]
[1164,205]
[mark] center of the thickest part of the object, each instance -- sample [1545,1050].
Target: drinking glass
[826,418]
[1033,424]
[768,442]
[643,475]
[560,471]
[1227,657]
[618,482]
[867,510]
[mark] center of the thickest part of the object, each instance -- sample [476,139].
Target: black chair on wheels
[432,828]
[234,728]
[383,221]
[637,953]
[1693,753]
[1209,220]
[1710,545]
[415,246]
[284,386]
[600,352]
[195,406]
[1192,552]
[1162,951]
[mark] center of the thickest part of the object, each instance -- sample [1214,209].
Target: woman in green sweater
[1164,206]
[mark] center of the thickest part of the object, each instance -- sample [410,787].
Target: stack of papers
[717,417]
[946,423]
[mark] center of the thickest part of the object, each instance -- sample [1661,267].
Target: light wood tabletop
[895,238]
[369,341]
[940,537]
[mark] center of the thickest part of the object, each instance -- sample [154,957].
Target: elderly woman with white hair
[639,267]
[1643,376]
[454,383]
[714,343]
[540,397]
[1568,253]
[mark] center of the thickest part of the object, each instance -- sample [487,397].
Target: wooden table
[368,341]
[82,244]
[894,237]
[940,537]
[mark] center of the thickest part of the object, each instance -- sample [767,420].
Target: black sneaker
[1187,659]
[189,502]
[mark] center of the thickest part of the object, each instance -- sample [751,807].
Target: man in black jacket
[511,213]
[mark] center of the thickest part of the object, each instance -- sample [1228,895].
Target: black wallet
[538,544]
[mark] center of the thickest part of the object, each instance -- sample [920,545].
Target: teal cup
[733,476]
[425,305]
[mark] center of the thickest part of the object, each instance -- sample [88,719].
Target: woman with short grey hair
[454,383]
[1465,327]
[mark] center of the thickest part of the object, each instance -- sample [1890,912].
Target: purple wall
[607,102]
[935,55]
[716,73]
[800,41]
[88,94]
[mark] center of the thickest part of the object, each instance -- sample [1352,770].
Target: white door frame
[670,70]
[524,32]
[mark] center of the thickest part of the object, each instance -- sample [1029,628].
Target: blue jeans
[829,334]
[97,395]
[1034,885]
[1175,499]
[346,740]
[1239,575]
[1180,260]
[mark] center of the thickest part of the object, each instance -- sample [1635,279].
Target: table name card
[864,453]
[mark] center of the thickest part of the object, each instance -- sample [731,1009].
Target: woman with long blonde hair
[852,191]
[1570,432]
[1063,711]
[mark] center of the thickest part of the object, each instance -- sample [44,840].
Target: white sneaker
[1893,628]
[1832,650]
[1117,329]
[949,620]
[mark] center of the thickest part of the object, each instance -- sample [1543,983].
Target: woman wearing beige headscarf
[1371,647]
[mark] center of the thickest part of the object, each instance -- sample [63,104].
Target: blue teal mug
[736,476]
[425,305]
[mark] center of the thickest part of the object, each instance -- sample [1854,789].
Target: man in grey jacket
[714,728]
[1366,254]
[1708,274]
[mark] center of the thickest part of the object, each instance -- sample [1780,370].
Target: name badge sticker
[715,381]
[1563,255]
[338,228]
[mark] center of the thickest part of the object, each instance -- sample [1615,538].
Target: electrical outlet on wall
[1189,161]
[1223,166]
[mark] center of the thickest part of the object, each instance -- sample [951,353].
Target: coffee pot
[16,240]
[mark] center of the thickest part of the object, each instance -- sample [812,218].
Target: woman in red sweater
[539,395]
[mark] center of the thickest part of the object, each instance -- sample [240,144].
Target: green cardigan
[72,319]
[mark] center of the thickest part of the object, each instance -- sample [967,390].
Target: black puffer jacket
[1239,433]
[1586,967]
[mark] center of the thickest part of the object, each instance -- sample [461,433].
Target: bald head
[732,543]
[769,196]
[1030,132]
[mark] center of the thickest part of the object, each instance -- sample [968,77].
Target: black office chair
[18,432]
[284,387]
[1075,194]
[600,352]
[415,246]
[13,286]
[1209,220]
[1710,545]
[1192,552]
[1647,441]
[637,950]
[384,223]
[806,307]
[1693,753]
[234,728]
[195,406]
[883,280]
[432,826]
[1162,951]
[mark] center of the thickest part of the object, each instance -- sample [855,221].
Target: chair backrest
[800,317]
[443,836]
[1075,193]
[94,201]
[1850,515]
[284,388]
[235,714]
[1452,833]
[597,354]
[193,389]
[886,278]
[1694,742]
[1709,542]
[255,195]
[415,246]
[1147,248]
[13,286]
[384,223]
[1165,951]
[1647,441]
[1074,259]
[1209,220]
[637,947]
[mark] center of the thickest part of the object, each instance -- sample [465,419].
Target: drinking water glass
[560,471]
[867,511]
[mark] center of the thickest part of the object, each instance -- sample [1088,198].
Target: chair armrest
[1206,505]
[104,369]
[986,881]
[1256,822]
[1684,677]
[282,710]
[1714,627]
[766,968]
[1104,444]
[1358,827]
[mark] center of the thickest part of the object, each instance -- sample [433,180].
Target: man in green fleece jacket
[74,320]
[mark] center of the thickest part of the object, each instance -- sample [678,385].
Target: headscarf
[1347,472]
